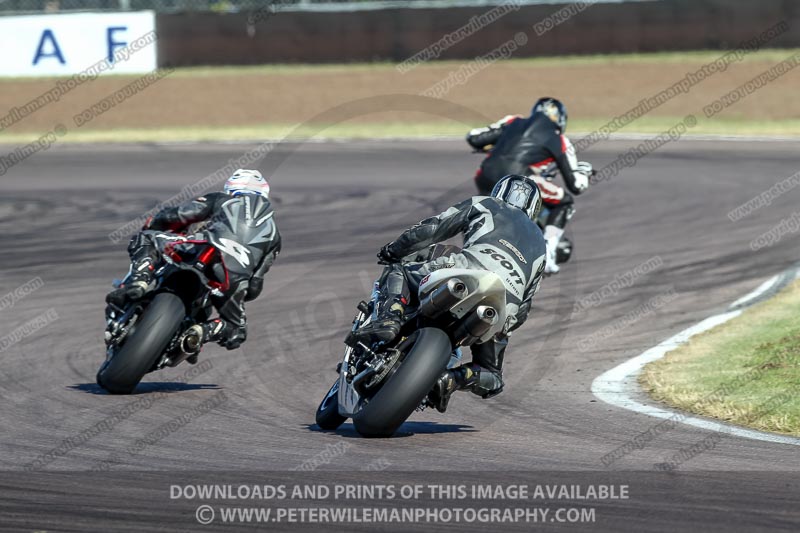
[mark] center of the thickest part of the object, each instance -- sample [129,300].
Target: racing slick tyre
[407,387]
[153,331]
[563,251]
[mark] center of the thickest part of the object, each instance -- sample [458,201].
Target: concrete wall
[396,34]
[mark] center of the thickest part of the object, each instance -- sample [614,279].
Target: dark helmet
[552,109]
[520,192]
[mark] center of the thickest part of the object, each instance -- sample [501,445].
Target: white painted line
[411,138]
[764,287]
[692,137]
[617,386]
[576,138]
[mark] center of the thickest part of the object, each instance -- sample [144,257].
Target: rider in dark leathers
[537,146]
[239,222]
[498,226]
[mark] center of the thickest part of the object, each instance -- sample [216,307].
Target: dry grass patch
[746,371]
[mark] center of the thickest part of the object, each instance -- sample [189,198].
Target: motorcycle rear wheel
[404,391]
[154,329]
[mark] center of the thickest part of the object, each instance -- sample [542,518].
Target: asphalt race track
[336,204]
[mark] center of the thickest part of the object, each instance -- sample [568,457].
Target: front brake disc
[388,366]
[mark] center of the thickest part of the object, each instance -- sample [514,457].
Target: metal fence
[9,7]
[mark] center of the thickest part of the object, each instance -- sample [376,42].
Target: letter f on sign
[112,44]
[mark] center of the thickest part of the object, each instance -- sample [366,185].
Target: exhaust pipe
[477,324]
[191,340]
[443,298]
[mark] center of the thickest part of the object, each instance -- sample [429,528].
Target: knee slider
[489,383]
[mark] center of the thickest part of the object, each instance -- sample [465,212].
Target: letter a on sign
[47,35]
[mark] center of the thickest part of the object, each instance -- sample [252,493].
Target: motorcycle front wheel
[328,417]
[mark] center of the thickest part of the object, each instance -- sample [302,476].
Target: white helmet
[246,181]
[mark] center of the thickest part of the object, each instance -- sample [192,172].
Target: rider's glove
[582,172]
[386,257]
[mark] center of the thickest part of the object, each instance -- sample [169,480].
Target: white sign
[58,45]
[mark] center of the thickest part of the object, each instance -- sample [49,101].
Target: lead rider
[535,145]
[503,223]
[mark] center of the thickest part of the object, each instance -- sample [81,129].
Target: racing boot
[116,298]
[552,236]
[140,279]
[386,326]
[464,377]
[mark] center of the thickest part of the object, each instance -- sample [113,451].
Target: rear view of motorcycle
[154,332]
[380,386]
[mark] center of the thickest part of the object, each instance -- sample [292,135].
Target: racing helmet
[552,109]
[245,181]
[520,192]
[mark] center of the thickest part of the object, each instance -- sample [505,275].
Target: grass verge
[645,125]
[746,371]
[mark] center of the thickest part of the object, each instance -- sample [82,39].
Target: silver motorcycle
[379,387]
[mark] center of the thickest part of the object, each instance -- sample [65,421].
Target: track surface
[336,204]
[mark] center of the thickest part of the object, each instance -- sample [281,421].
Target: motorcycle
[152,333]
[543,179]
[380,386]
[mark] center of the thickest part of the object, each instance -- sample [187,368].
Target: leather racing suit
[490,227]
[529,146]
[241,227]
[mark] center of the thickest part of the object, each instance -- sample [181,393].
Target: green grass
[645,125]
[266,131]
[746,371]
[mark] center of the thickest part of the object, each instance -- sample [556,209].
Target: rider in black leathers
[240,223]
[536,146]
[502,224]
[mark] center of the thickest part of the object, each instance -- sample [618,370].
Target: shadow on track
[148,388]
[408,429]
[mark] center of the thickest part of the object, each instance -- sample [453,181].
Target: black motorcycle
[154,332]
[564,249]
